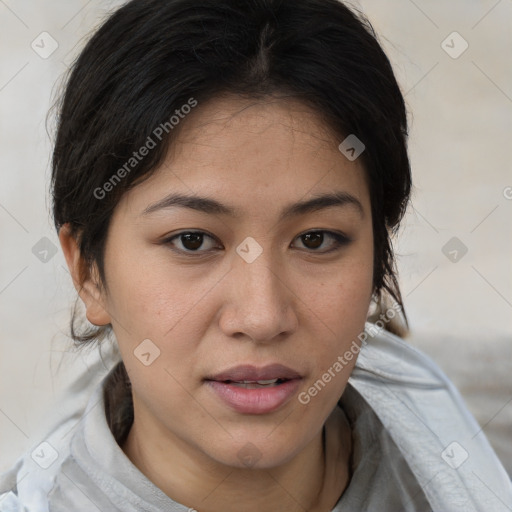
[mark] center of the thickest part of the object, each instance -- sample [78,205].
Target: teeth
[253,384]
[262,382]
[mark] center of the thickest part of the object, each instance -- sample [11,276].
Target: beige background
[460,148]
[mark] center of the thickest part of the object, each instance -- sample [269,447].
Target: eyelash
[340,241]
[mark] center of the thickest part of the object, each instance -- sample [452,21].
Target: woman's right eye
[189,242]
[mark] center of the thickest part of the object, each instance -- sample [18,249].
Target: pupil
[316,238]
[192,241]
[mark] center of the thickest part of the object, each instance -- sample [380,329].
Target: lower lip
[255,401]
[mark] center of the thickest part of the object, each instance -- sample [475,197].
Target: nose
[260,304]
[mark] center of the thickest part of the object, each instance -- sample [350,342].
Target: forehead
[253,153]
[261,130]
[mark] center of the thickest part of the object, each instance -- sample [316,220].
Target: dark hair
[152,57]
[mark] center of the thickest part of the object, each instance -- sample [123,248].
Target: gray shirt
[415,448]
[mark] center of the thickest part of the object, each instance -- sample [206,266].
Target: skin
[295,304]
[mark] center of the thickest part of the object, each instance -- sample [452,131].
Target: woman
[227,176]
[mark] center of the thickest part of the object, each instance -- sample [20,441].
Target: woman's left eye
[315,239]
[192,241]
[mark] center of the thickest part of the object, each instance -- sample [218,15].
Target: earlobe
[86,283]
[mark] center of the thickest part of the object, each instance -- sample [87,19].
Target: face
[250,284]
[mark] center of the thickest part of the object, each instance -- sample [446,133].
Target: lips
[248,373]
[250,390]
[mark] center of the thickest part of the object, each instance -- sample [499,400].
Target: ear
[86,283]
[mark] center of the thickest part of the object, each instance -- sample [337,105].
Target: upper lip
[253,373]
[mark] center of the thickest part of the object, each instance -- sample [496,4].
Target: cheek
[157,302]
[339,308]
[343,295]
[148,297]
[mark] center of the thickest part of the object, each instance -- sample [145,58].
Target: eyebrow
[212,206]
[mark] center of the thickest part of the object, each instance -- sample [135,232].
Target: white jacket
[417,448]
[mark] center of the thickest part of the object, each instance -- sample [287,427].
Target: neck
[313,480]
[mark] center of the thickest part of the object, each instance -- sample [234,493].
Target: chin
[251,452]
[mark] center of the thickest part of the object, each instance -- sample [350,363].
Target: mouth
[266,375]
[251,390]
[258,384]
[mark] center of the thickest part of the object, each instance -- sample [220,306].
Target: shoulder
[9,502]
[32,481]
[50,477]
[427,418]
[26,486]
